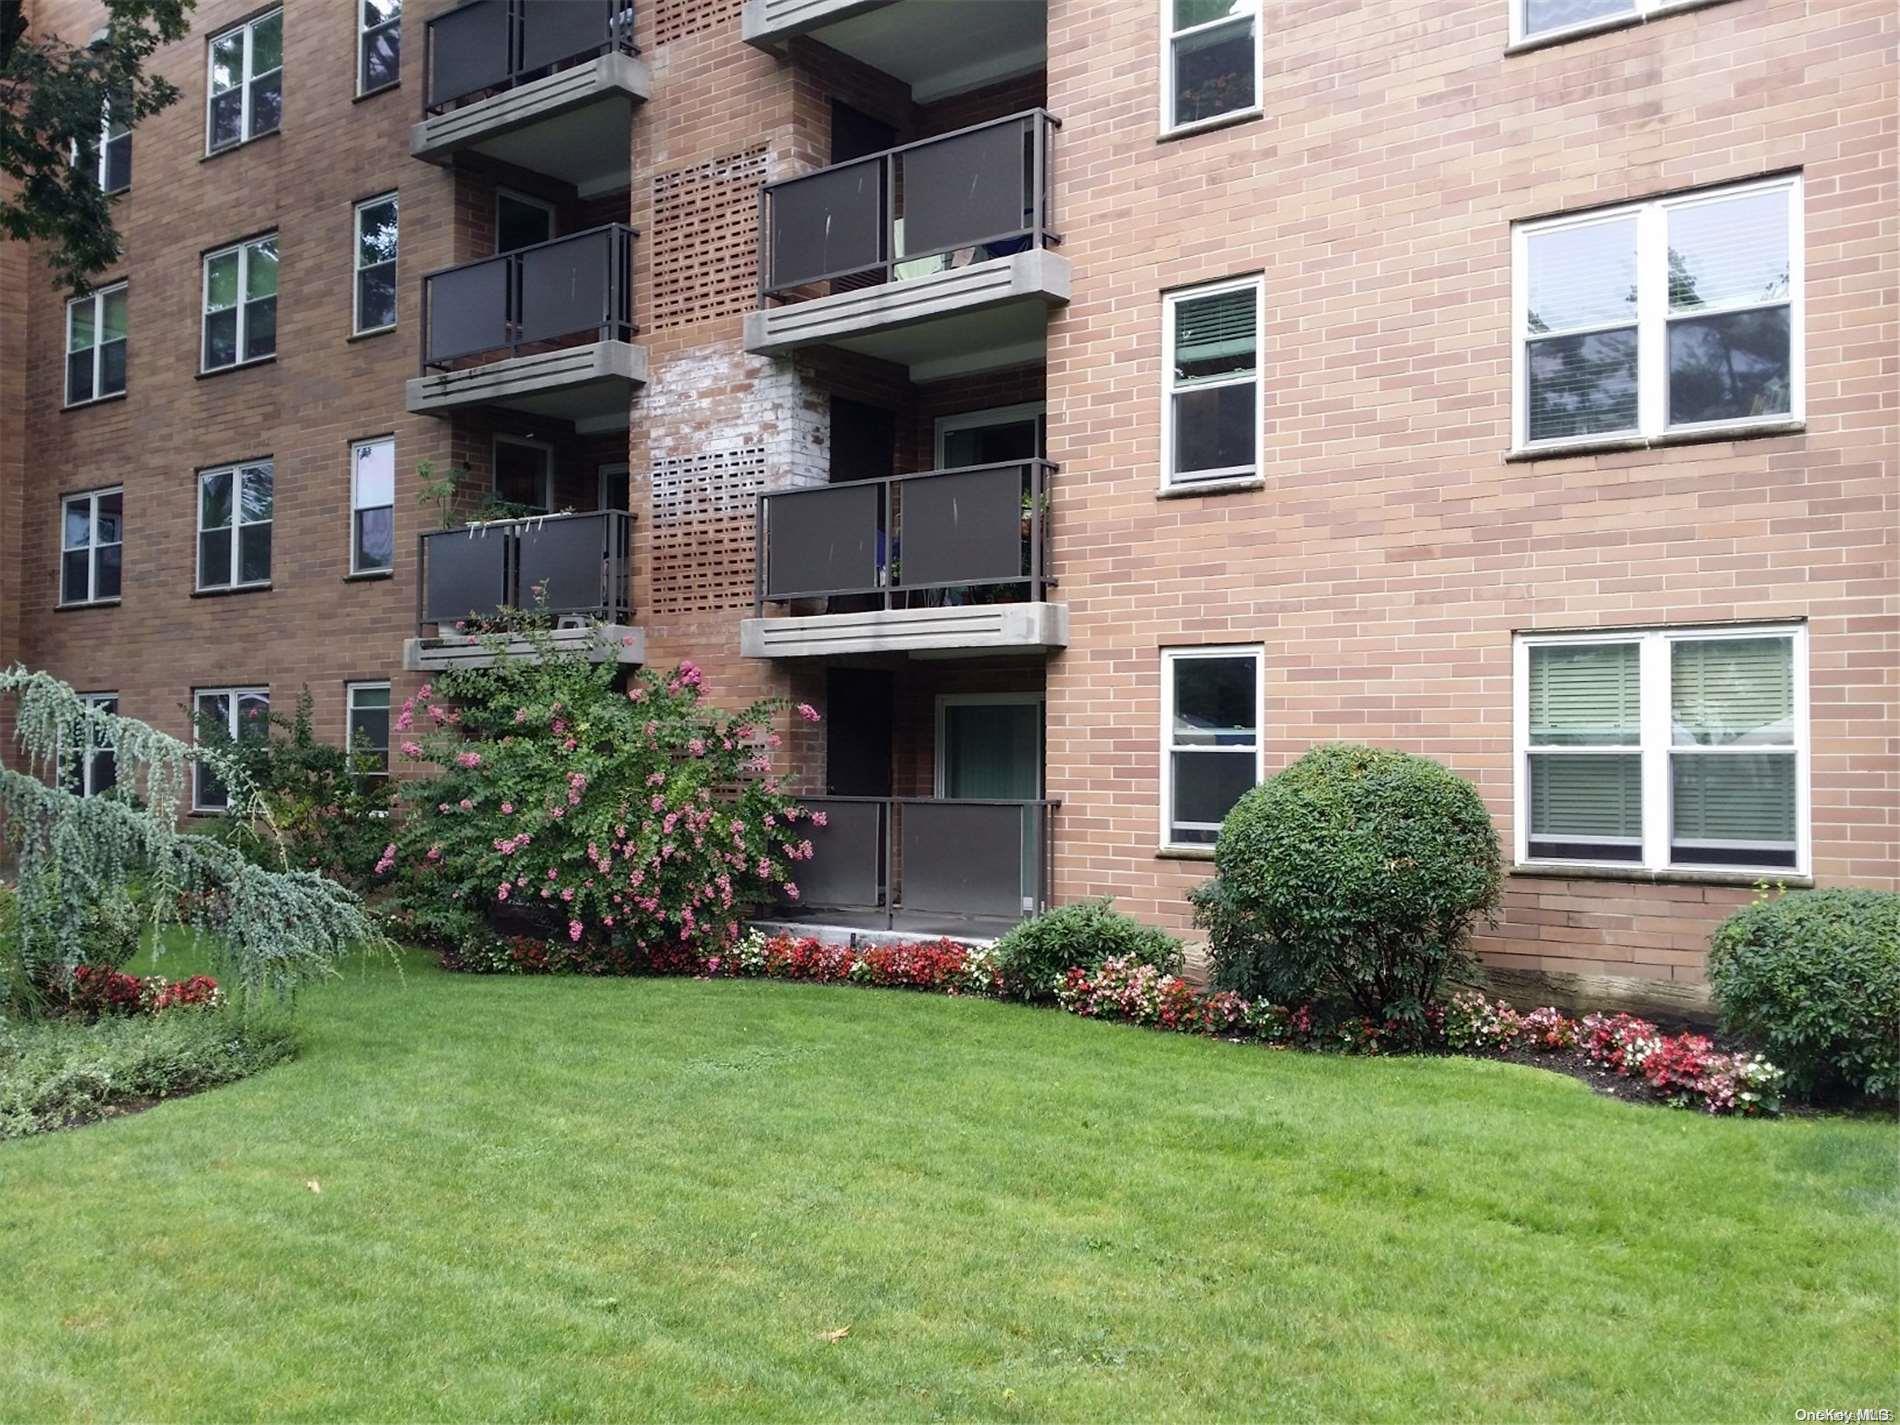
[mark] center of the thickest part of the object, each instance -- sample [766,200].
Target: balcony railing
[978,193]
[976,534]
[486,46]
[958,859]
[577,565]
[535,296]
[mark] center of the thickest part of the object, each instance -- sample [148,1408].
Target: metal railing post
[761,550]
[890,863]
[1035,530]
[1036,159]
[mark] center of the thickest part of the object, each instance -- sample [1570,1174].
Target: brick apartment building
[1509,381]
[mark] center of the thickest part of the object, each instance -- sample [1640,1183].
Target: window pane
[106,563]
[118,174]
[112,368]
[210,794]
[227,119]
[1733,250]
[1215,429]
[75,572]
[227,61]
[377,11]
[214,500]
[254,554]
[114,304]
[369,729]
[1213,72]
[382,58]
[81,325]
[254,502]
[376,233]
[78,523]
[105,772]
[260,272]
[1747,798]
[1586,805]
[376,297]
[1581,385]
[221,339]
[375,539]
[375,474]
[1206,786]
[518,474]
[1724,691]
[267,104]
[1199,12]
[1587,695]
[1582,276]
[214,559]
[79,377]
[1215,702]
[221,282]
[1542,15]
[253,720]
[112,517]
[267,43]
[1215,336]
[1730,367]
[260,328]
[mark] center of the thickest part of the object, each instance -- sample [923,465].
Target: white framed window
[990,437]
[95,345]
[1213,391]
[1212,748]
[244,714]
[1210,61]
[1664,749]
[524,473]
[378,44]
[1670,317]
[366,733]
[91,546]
[1551,19]
[375,258]
[373,505]
[108,159]
[244,91]
[236,506]
[240,303]
[92,766]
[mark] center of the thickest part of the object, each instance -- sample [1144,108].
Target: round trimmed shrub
[1032,959]
[1813,979]
[1354,876]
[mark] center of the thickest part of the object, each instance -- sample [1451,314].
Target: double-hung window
[95,345]
[1671,748]
[1671,317]
[524,473]
[373,505]
[1547,19]
[1211,744]
[245,90]
[109,157]
[366,738]
[235,509]
[1210,64]
[240,303]
[93,767]
[92,539]
[243,714]
[378,44]
[1210,416]
[375,264]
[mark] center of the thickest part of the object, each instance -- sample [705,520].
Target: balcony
[947,563]
[935,48]
[545,85]
[925,864]
[935,255]
[545,330]
[577,569]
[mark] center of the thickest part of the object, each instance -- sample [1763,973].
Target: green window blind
[1728,690]
[1746,797]
[1587,797]
[1214,336]
[1586,695]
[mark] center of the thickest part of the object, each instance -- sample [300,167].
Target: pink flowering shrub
[568,808]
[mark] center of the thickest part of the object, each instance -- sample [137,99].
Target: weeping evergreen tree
[268,930]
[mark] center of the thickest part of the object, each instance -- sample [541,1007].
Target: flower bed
[100,990]
[1684,1070]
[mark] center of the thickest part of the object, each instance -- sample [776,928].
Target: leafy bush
[564,807]
[1356,875]
[57,1073]
[1813,977]
[113,926]
[1034,957]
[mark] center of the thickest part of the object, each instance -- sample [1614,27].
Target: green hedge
[1813,979]
[1032,958]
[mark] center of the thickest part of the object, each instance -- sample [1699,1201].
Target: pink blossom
[689,674]
[435,854]
[791,890]
[469,759]
[695,747]
[808,712]
[551,873]
[636,695]
[501,893]
[658,803]
[573,930]
[507,808]
[819,818]
[412,749]
[567,893]
[466,804]
[521,715]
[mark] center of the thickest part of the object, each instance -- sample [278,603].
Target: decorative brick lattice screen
[703,512]
[676,19]
[706,239]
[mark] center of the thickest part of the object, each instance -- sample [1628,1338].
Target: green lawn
[568,1199]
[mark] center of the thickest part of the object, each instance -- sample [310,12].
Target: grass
[578,1199]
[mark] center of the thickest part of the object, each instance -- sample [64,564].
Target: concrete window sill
[1676,876]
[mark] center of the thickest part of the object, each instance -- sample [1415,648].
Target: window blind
[1216,328]
[1589,695]
[1746,797]
[1732,690]
[1587,798]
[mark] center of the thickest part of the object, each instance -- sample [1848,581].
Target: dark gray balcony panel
[465,573]
[565,285]
[966,189]
[468,309]
[469,50]
[822,539]
[847,853]
[962,858]
[828,224]
[564,559]
[963,528]
[556,30]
